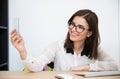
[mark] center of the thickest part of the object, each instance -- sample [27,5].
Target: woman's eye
[81,27]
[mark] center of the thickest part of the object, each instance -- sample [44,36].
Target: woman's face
[77,36]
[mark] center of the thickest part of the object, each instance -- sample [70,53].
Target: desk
[44,75]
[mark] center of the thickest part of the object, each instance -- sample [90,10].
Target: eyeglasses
[78,28]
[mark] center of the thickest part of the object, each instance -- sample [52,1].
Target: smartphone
[17,24]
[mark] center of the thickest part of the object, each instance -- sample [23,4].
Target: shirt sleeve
[104,62]
[37,64]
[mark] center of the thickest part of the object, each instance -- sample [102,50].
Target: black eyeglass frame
[79,26]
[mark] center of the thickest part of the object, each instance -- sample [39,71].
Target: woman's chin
[73,39]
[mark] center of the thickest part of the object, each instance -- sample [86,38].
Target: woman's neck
[78,47]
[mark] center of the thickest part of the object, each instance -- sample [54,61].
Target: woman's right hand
[17,41]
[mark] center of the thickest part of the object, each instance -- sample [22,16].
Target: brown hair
[92,42]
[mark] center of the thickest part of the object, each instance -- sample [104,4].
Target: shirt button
[32,62]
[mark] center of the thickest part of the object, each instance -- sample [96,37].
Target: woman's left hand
[81,68]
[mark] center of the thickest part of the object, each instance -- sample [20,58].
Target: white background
[45,21]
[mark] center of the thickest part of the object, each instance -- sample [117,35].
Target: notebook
[96,74]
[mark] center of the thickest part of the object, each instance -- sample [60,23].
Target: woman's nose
[73,29]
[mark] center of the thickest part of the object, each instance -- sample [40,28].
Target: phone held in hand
[17,24]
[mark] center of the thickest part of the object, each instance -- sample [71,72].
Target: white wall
[38,18]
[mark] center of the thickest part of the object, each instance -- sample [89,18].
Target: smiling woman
[85,54]
[36,23]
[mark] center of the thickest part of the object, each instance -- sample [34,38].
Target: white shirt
[64,61]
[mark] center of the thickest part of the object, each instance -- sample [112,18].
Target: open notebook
[95,74]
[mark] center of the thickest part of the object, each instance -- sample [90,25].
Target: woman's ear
[89,34]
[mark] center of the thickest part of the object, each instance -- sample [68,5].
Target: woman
[79,52]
